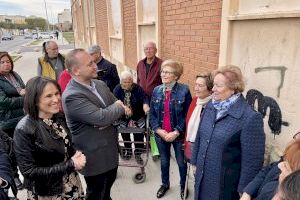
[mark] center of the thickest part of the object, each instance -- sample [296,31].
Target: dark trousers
[98,187]
[138,137]
[165,156]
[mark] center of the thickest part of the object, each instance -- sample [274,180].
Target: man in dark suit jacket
[106,71]
[90,110]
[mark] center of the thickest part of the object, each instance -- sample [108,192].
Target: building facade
[14,19]
[65,20]
[259,36]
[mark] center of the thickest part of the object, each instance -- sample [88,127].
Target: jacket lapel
[89,94]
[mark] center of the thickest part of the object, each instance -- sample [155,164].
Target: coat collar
[154,60]
[236,110]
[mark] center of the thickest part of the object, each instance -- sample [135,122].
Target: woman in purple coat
[229,147]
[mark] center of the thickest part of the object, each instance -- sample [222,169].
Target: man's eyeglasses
[296,136]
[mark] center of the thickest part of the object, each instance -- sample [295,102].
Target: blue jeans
[165,155]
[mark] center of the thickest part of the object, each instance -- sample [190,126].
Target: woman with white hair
[133,96]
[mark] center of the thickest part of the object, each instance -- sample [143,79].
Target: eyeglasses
[166,72]
[296,136]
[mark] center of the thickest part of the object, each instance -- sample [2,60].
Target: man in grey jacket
[90,110]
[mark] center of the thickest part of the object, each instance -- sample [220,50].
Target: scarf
[223,106]
[10,77]
[168,86]
[194,121]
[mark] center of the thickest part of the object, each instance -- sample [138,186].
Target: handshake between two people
[128,110]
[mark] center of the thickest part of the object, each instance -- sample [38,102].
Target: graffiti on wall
[281,69]
[263,104]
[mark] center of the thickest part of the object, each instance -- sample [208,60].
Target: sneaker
[126,154]
[139,159]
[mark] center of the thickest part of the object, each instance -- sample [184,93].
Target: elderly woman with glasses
[265,183]
[230,143]
[168,108]
[11,102]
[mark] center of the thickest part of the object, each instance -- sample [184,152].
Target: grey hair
[125,75]
[152,43]
[94,49]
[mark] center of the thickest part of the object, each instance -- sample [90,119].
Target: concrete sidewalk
[124,187]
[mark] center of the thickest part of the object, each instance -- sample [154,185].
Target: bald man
[148,70]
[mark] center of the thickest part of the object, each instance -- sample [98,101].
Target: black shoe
[126,154]
[182,193]
[162,191]
[139,159]
[18,183]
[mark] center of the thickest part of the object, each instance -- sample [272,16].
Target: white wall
[267,51]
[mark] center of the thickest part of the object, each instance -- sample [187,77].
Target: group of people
[64,122]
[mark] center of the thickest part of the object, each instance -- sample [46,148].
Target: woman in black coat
[11,101]
[43,145]
[133,96]
[11,95]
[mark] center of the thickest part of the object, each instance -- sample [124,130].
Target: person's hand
[194,168]
[285,170]
[245,196]
[119,102]
[162,133]
[171,136]
[22,92]
[146,108]
[79,160]
[128,111]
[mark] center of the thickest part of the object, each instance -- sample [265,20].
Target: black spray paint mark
[264,102]
[281,69]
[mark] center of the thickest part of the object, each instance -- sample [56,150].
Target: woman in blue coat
[230,143]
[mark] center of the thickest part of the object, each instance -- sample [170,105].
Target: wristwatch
[176,132]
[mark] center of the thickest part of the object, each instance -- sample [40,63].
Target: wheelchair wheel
[139,177]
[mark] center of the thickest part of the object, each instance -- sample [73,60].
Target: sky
[34,7]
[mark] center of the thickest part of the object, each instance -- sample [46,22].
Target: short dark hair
[3,54]
[290,187]
[71,60]
[34,90]
[208,80]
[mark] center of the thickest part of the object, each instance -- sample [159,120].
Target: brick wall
[130,37]
[190,33]
[102,25]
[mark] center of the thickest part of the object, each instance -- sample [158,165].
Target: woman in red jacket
[203,87]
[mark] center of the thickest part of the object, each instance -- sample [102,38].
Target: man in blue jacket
[106,71]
